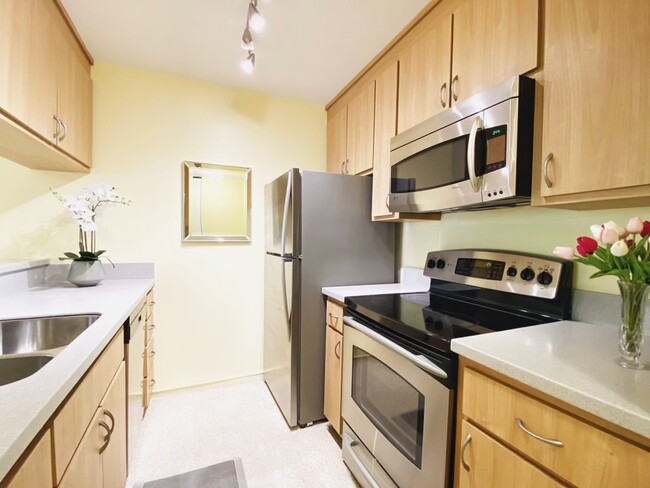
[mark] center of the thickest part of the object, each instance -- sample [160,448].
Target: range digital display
[480,268]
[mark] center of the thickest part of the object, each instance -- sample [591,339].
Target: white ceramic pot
[86,273]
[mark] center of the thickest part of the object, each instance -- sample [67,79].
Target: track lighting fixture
[247,39]
[249,63]
[254,22]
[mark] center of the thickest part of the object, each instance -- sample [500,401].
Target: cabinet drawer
[71,422]
[334,315]
[36,469]
[488,463]
[588,456]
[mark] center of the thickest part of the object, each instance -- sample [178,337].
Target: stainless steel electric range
[399,374]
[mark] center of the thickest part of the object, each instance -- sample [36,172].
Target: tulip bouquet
[84,210]
[623,252]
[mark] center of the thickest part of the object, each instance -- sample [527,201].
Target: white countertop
[572,361]
[26,405]
[12,265]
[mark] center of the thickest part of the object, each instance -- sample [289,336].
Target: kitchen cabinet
[45,88]
[530,435]
[85,468]
[36,470]
[424,75]
[596,98]
[333,365]
[350,132]
[492,41]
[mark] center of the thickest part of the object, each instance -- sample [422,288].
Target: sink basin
[24,336]
[19,367]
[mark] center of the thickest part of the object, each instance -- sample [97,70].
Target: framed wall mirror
[216,203]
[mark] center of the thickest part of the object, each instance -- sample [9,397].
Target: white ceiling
[309,49]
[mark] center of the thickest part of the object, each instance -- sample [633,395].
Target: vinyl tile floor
[193,428]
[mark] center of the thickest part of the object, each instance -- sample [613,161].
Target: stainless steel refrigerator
[318,233]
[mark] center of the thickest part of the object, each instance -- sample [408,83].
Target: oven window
[436,166]
[394,406]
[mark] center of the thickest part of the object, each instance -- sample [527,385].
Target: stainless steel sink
[27,345]
[31,335]
[19,367]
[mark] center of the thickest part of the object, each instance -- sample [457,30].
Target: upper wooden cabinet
[492,41]
[350,128]
[424,72]
[596,99]
[45,88]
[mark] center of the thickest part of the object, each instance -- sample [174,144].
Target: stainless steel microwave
[476,154]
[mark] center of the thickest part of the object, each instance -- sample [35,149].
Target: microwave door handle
[471,153]
[417,359]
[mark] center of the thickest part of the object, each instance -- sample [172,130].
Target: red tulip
[586,245]
[646,229]
[630,242]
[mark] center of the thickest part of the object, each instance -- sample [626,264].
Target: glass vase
[634,297]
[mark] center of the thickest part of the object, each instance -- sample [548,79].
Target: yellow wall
[527,229]
[209,298]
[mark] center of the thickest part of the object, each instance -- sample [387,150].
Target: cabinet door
[85,469]
[337,130]
[492,41]
[333,371]
[385,127]
[491,464]
[596,95]
[360,133]
[113,409]
[424,66]
[74,102]
[36,470]
[28,63]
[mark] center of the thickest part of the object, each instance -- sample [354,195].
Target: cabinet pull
[337,347]
[332,317]
[547,160]
[153,382]
[152,354]
[454,88]
[443,98]
[466,442]
[57,132]
[65,131]
[110,416]
[107,437]
[342,167]
[347,171]
[552,442]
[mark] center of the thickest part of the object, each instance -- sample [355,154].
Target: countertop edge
[14,451]
[576,398]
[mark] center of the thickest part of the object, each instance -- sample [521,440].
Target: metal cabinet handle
[332,317]
[463,446]
[347,171]
[552,442]
[443,98]
[152,354]
[357,461]
[547,160]
[65,131]
[342,167]
[57,132]
[107,437]
[153,382]
[388,201]
[338,347]
[454,88]
[110,416]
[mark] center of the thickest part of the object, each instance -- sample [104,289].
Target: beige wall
[527,229]
[209,298]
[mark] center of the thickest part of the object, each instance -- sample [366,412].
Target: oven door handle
[350,443]
[417,359]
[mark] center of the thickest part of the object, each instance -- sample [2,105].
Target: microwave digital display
[480,268]
[496,141]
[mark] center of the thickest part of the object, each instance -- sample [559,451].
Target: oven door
[401,413]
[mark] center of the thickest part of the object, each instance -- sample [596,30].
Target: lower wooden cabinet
[85,469]
[333,372]
[486,463]
[36,469]
[114,466]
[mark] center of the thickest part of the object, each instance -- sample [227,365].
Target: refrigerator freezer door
[281,214]
[281,323]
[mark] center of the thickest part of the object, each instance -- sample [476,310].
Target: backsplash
[525,229]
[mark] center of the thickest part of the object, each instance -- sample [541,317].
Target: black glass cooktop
[433,321]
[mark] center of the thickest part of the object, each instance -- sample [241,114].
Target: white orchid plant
[615,250]
[84,211]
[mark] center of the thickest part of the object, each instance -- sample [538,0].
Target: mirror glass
[216,202]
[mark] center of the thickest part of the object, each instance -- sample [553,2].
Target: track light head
[248,64]
[255,19]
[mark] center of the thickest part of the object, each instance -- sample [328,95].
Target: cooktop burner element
[472,292]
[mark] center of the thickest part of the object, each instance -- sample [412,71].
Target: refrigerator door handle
[287,309]
[285,215]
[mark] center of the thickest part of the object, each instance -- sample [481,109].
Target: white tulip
[620,231]
[563,252]
[619,248]
[596,231]
[634,225]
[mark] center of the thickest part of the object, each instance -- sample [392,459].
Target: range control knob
[512,271]
[527,274]
[441,264]
[431,263]
[545,278]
